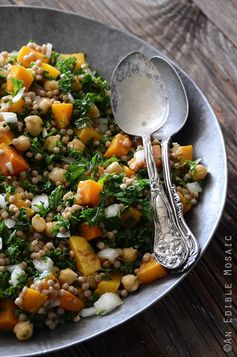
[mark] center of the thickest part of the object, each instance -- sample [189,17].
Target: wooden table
[201,36]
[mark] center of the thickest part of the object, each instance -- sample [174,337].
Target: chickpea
[22,143]
[129,254]
[51,142]
[67,276]
[76,145]
[45,104]
[57,175]
[50,85]
[200,173]
[50,226]
[130,282]
[38,223]
[34,124]
[94,112]
[114,168]
[23,330]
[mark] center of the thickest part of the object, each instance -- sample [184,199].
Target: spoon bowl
[178,101]
[146,111]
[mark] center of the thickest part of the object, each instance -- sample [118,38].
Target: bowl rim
[224,195]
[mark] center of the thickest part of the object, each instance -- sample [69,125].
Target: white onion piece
[112,211]
[17,272]
[19,95]
[9,117]
[139,156]
[194,187]
[2,201]
[43,265]
[70,97]
[10,223]
[53,303]
[44,133]
[9,166]
[49,50]
[0,243]
[106,303]
[103,124]
[10,268]
[63,235]
[40,199]
[108,253]
[68,159]
[89,311]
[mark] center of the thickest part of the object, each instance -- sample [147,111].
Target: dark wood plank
[223,14]
[201,37]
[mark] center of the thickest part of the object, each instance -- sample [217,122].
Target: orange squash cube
[131,213]
[128,172]
[17,107]
[186,152]
[90,232]
[80,57]
[151,271]
[11,161]
[109,286]
[120,146]
[32,300]
[6,136]
[25,51]
[8,318]
[70,302]
[20,73]
[185,203]
[53,72]
[62,113]
[88,193]
[87,261]
[86,134]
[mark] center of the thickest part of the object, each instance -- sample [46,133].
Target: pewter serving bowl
[105,47]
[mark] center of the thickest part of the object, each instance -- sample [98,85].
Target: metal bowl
[105,46]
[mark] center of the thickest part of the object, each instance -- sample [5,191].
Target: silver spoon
[178,113]
[140,107]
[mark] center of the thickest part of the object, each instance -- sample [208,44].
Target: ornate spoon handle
[177,208]
[169,246]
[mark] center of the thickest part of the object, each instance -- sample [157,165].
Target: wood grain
[201,37]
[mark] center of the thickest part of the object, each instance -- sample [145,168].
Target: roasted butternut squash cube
[25,51]
[62,113]
[88,193]
[109,286]
[90,232]
[17,107]
[80,57]
[8,318]
[86,134]
[11,162]
[186,204]
[32,300]
[120,146]
[151,271]
[129,214]
[53,72]
[70,302]
[20,73]
[87,261]
[6,136]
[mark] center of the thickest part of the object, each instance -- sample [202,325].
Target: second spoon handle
[177,208]
[169,246]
